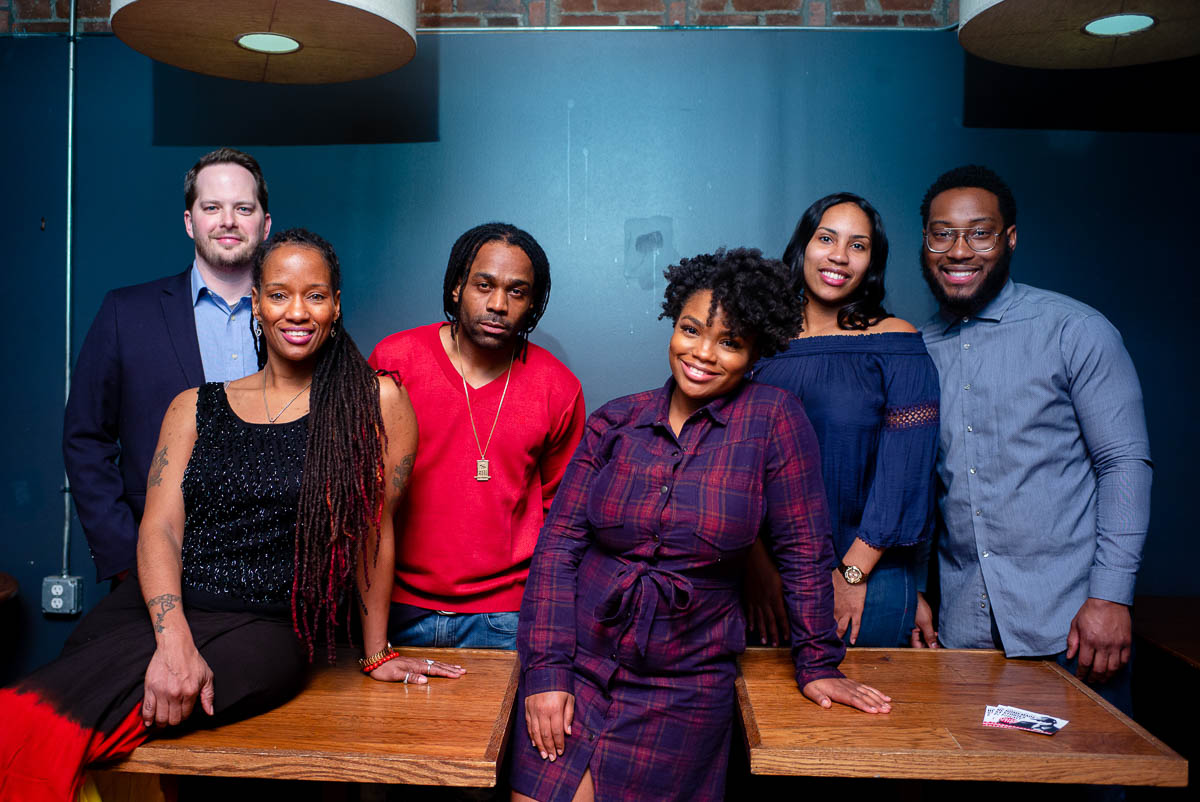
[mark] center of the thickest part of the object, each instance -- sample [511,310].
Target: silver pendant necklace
[285,406]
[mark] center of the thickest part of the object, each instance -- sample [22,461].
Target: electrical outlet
[62,595]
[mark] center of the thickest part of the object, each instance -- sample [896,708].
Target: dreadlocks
[341,490]
[462,256]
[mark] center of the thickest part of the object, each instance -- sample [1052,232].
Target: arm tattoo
[156,467]
[401,473]
[166,602]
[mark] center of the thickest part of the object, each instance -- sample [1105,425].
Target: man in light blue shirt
[1044,462]
[223,331]
[150,342]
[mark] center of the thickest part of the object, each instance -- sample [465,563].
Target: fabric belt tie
[636,587]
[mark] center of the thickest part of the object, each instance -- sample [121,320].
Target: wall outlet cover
[62,595]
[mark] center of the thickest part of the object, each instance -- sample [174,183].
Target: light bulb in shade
[1119,25]
[272,43]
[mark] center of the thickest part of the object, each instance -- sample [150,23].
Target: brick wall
[51,16]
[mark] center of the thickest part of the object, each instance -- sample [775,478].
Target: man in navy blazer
[152,341]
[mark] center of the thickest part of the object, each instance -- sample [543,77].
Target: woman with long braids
[871,393]
[268,513]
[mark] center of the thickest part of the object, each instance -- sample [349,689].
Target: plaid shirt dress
[633,599]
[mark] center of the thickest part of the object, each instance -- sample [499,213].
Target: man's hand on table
[548,716]
[1100,634]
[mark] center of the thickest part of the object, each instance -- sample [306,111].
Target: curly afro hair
[974,176]
[753,292]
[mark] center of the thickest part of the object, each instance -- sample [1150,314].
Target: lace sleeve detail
[912,417]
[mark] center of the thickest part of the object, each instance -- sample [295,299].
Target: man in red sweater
[499,419]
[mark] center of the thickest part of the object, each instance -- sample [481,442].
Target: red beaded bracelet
[376,660]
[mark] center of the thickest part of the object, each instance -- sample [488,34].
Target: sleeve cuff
[805,677]
[1110,585]
[541,680]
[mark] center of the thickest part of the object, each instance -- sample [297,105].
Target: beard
[482,339]
[240,258]
[470,328]
[968,305]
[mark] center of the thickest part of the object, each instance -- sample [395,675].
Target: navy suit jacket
[140,352]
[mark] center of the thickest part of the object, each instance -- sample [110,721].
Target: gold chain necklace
[481,464]
[285,406]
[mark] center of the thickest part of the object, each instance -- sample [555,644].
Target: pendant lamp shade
[1064,34]
[273,41]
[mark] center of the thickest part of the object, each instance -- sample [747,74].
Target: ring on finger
[429,662]
[407,674]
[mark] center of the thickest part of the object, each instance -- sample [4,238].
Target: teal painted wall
[588,140]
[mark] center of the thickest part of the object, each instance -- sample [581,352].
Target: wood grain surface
[339,42]
[347,727]
[934,730]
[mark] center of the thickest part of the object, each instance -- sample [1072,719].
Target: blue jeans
[890,606]
[459,630]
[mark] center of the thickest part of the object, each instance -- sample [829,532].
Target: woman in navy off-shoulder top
[871,393]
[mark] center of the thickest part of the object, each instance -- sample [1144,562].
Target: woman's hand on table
[415,671]
[548,717]
[847,692]
[763,597]
[848,604]
[176,676]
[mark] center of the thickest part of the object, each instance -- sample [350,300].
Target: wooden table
[934,730]
[347,727]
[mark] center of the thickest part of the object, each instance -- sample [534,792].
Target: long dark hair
[341,490]
[462,256]
[866,308]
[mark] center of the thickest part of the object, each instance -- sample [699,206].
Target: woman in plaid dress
[631,621]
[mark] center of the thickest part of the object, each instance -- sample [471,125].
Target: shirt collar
[999,305]
[658,413]
[200,289]
[994,310]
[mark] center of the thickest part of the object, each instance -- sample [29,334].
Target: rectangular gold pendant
[481,470]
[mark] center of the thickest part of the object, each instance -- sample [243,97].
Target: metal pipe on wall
[71,37]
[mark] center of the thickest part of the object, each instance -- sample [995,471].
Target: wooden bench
[347,727]
[934,730]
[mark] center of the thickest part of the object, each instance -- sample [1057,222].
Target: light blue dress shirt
[226,342]
[1044,467]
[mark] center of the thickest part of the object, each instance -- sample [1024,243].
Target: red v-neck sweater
[464,545]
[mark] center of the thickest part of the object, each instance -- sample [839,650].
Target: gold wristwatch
[851,573]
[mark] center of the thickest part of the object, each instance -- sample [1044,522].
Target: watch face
[853,574]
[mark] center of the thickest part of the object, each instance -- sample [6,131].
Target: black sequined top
[240,491]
